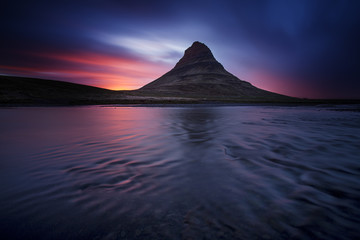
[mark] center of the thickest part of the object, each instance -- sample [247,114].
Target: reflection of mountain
[198,125]
[198,73]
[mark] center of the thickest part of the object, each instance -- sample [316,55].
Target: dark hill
[198,73]
[197,78]
[33,91]
[23,90]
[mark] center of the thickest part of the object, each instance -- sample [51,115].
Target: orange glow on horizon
[93,69]
[92,79]
[282,84]
[115,73]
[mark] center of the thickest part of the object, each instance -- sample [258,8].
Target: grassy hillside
[33,91]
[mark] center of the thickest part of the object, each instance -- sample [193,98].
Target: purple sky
[300,48]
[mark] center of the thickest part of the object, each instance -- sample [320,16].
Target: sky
[301,48]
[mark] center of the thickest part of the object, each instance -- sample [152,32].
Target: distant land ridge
[196,78]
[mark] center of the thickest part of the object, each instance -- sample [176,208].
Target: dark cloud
[313,43]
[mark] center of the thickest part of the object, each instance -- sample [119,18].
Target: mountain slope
[197,77]
[198,73]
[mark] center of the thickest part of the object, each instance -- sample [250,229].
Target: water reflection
[198,124]
[179,173]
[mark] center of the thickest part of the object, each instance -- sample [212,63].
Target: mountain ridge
[197,52]
[24,91]
[196,78]
[199,73]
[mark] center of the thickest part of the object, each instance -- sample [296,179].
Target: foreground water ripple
[239,172]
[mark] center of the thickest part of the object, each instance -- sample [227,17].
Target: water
[237,172]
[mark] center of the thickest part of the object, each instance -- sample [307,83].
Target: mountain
[25,91]
[199,74]
[197,78]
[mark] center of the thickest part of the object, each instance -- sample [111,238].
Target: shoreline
[324,103]
[32,92]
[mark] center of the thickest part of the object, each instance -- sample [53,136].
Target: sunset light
[290,47]
[178,120]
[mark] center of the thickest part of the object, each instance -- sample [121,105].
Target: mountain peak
[199,74]
[198,52]
[198,46]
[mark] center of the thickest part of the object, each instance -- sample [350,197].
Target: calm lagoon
[190,172]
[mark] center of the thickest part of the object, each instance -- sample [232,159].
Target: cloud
[309,43]
[155,50]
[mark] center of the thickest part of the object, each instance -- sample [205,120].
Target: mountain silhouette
[198,73]
[197,78]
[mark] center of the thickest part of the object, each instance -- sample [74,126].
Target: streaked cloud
[280,45]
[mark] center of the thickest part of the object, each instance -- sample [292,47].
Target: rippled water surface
[236,172]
